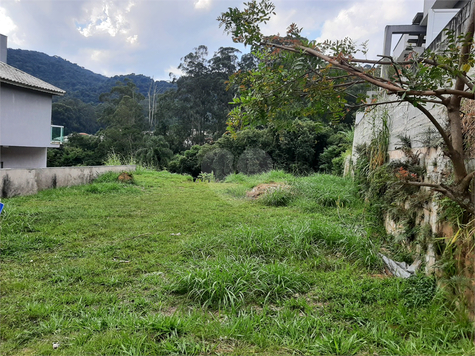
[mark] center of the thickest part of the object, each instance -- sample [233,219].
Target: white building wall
[403,120]
[437,20]
[25,117]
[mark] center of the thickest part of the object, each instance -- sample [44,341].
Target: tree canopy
[196,111]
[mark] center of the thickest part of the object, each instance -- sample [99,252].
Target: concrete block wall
[403,120]
[17,181]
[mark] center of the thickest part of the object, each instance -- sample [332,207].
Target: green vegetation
[166,266]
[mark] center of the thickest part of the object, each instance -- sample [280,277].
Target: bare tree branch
[448,192]
[391,87]
[465,183]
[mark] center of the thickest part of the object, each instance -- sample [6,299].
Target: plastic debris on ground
[400,269]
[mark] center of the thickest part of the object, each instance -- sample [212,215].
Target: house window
[57,136]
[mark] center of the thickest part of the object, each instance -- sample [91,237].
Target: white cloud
[279,23]
[365,20]
[10,29]
[203,4]
[107,18]
[97,55]
[132,39]
[173,70]
[7,26]
[150,36]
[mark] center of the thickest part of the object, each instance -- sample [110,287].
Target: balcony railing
[57,134]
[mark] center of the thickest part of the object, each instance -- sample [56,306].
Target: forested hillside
[79,110]
[79,83]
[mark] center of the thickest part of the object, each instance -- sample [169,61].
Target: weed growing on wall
[382,184]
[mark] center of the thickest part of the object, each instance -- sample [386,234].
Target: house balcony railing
[57,134]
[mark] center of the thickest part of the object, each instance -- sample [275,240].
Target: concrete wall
[14,182]
[22,157]
[25,117]
[403,120]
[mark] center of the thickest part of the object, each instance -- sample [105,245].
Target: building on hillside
[25,116]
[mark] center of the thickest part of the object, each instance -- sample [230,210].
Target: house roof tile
[14,76]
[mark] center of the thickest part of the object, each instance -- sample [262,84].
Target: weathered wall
[403,120]
[14,182]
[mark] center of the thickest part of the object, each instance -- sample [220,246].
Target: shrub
[279,196]
[108,177]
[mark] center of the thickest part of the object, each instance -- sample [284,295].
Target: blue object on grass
[1,207]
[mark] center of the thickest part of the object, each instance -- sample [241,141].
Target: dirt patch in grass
[261,189]
[125,177]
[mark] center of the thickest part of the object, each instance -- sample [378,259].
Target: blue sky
[151,36]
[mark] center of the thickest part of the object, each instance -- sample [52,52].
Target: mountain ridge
[77,81]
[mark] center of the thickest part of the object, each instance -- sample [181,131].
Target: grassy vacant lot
[167,266]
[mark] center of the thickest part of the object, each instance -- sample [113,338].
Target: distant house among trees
[25,116]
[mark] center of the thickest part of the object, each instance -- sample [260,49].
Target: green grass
[166,266]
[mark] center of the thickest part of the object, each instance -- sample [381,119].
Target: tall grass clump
[296,240]
[277,242]
[279,196]
[113,159]
[338,239]
[108,183]
[338,343]
[325,190]
[419,290]
[108,177]
[229,281]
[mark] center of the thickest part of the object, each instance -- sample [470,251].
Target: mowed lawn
[168,266]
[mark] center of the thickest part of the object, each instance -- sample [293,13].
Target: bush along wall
[295,149]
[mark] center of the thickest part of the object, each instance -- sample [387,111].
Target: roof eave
[53,92]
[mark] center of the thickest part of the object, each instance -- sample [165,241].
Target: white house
[25,116]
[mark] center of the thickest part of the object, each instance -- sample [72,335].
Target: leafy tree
[188,163]
[196,112]
[79,150]
[75,116]
[155,152]
[124,118]
[294,149]
[436,78]
[332,159]
[122,106]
